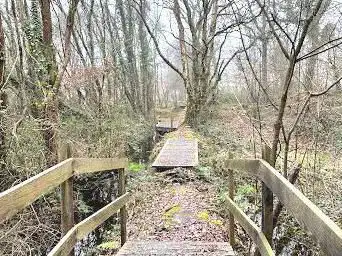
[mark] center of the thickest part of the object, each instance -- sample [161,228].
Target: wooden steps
[177,152]
[175,248]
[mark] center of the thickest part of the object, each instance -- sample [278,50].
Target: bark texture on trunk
[3,99]
[50,112]
[199,75]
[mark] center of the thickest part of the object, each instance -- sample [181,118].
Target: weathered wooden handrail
[251,228]
[327,233]
[82,229]
[20,196]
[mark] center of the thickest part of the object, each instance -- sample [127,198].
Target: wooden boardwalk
[178,152]
[171,122]
[175,248]
[167,124]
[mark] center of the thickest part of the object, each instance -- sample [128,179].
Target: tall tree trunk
[145,67]
[19,12]
[264,59]
[50,112]
[50,81]
[128,29]
[197,60]
[3,98]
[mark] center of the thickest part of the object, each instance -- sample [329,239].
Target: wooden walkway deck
[167,124]
[175,248]
[171,122]
[178,152]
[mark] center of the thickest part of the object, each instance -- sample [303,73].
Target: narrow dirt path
[174,205]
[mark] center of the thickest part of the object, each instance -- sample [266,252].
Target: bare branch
[306,27]
[311,94]
[317,51]
[280,43]
[253,71]
[156,44]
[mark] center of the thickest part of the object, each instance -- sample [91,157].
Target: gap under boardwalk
[171,248]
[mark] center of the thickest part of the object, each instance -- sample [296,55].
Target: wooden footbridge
[169,121]
[179,151]
[312,219]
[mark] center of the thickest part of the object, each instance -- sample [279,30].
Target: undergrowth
[228,130]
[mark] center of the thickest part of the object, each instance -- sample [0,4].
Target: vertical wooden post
[267,201]
[123,211]
[67,200]
[172,120]
[231,196]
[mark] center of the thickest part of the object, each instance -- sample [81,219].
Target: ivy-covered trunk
[49,83]
[199,73]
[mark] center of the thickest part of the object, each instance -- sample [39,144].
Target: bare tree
[293,55]
[202,65]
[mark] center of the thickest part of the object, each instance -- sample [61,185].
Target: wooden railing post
[123,211]
[172,119]
[267,201]
[231,186]
[67,200]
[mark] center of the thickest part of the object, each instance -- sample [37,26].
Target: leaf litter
[175,205]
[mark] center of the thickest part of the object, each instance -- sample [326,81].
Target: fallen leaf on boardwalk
[174,209]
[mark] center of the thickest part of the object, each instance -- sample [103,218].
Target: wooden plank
[164,130]
[96,219]
[327,233]
[67,205]
[167,123]
[175,248]
[178,153]
[90,165]
[67,198]
[251,228]
[123,210]
[18,197]
[231,186]
[267,202]
[83,228]
[170,122]
[251,166]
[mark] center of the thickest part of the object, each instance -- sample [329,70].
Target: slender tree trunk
[279,121]
[128,28]
[145,67]
[264,55]
[3,98]
[2,54]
